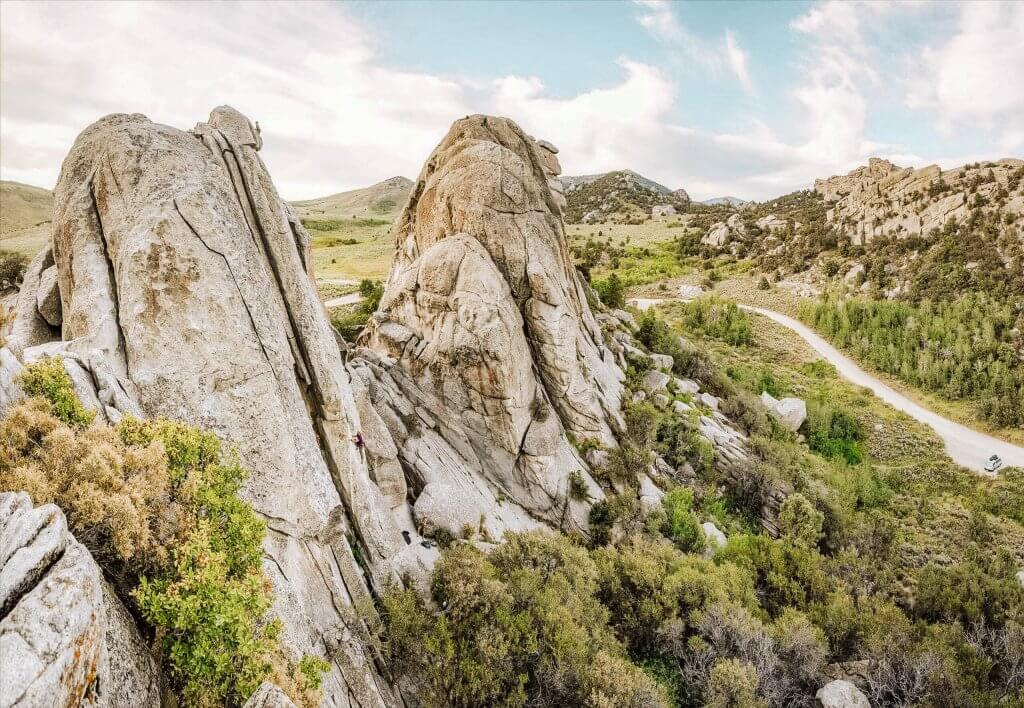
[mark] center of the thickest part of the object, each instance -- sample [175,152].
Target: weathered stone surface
[884,199]
[10,369]
[135,679]
[663,210]
[655,380]
[790,412]
[29,327]
[269,696]
[664,362]
[721,233]
[713,536]
[841,694]
[213,319]
[485,317]
[51,605]
[48,297]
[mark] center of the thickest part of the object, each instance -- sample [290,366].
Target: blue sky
[743,98]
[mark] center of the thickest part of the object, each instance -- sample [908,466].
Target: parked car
[994,463]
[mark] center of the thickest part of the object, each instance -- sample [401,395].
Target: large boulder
[187,279]
[65,638]
[790,412]
[841,694]
[485,317]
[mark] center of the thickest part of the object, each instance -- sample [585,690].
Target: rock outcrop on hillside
[65,638]
[620,196]
[884,199]
[185,292]
[485,336]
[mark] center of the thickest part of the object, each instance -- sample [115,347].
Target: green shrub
[611,291]
[719,319]
[520,626]
[733,684]
[799,522]
[681,525]
[833,432]
[12,268]
[48,378]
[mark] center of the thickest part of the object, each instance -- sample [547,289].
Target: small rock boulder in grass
[663,210]
[714,537]
[690,292]
[687,386]
[663,362]
[1020,577]
[655,380]
[841,694]
[710,401]
[790,412]
[269,696]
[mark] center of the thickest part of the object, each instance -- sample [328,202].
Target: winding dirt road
[965,446]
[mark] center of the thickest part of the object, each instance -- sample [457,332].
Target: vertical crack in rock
[111,270]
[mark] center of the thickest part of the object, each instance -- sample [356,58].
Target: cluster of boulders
[723,233]
[884,199]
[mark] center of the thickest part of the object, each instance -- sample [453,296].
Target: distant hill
[727,201]
[619,196]
[382,200]
[25,213]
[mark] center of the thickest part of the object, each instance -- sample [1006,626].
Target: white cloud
[724,55]
[737,59]
[335,117]
[657,17]
[974,78]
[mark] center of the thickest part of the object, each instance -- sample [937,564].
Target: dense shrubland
[873,564]
[969,348]
[156,503]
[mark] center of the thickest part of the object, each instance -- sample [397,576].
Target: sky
[738,98]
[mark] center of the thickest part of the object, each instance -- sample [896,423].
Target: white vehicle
[993,463]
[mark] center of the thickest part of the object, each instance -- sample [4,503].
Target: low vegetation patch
[156,503]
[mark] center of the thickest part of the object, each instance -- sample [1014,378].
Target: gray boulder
[65,638]
[790,412]
[269,696]
[841,694]
[713,536]
[655,380]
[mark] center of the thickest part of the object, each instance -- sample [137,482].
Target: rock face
[663,210]
[185,292]
[724,232]
[884,199]
[790,412]
[485,333]
[841,694]
[62,631]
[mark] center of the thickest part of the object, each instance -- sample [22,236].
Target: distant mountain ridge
[381,200]
[727,201]
[622,195]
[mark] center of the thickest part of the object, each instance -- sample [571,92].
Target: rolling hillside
[379,201]
[24,216]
